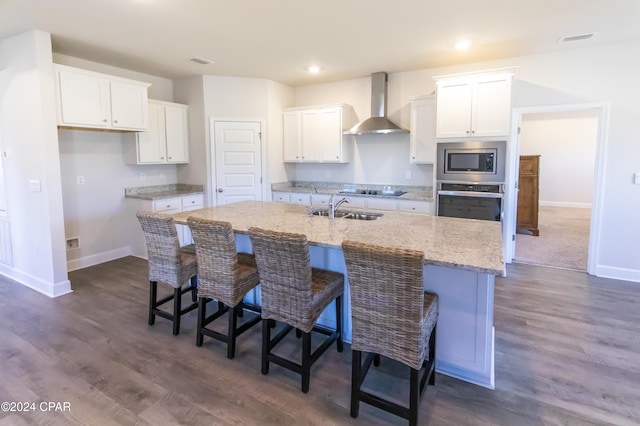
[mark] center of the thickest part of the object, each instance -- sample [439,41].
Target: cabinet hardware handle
[104,120]
[162,158]
[115,121]
[170,158]
[220,189]
[467,132]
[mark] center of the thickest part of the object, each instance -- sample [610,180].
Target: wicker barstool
[391,316]
[224,275]
[168,264]
[296,294]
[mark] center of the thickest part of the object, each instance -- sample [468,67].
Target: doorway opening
[561,146]
[569,142]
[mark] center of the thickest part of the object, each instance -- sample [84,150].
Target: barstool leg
[202,314]
[306,361]
[266,340]
[414,396]
[432,354]
[356,358]
[339,343]
[153,295]
[177,307]
[231,333]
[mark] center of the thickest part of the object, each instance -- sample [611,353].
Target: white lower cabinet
[169,206]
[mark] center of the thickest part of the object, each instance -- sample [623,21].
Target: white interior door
[238,161]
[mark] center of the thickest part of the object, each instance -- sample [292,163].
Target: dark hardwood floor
[567,353]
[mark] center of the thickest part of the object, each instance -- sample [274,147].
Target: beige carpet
[563,240]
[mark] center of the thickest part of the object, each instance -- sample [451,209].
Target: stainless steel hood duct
[378,122]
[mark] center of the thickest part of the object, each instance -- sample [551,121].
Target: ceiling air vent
[201,61]
[576,37]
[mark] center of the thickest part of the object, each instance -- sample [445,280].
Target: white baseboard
[98,258]
[47,288]
[565,204]
[617,273]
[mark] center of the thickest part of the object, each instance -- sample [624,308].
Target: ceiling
[279,39]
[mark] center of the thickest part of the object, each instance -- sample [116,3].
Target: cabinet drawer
[299,198]
[192,202]
[168,205]
[414,206]
[320,199]
[381,204]
[281,197]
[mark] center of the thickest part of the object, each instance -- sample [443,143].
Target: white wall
[97,212]
[234,98]
[566,142]
[28,125]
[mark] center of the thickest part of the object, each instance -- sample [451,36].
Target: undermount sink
[348,215]
[372,192]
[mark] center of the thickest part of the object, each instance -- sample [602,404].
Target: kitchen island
[462,257]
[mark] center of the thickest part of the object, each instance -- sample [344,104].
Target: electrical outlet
[327,173]
[80,180]
[636,178]
[407,175]
[73,243]
[143,176]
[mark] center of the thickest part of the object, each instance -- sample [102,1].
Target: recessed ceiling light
[576,37]
[201,61]
[463,44]
[313,69]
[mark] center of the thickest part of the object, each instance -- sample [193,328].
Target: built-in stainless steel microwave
[471,162]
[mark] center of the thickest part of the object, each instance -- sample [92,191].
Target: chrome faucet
[333,205]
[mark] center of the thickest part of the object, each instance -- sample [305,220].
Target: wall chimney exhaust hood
[378,123]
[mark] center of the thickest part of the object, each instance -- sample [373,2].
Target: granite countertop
[413,193]
[474,245]
[158,192]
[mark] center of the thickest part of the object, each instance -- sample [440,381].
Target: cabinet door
[331,142]
[422,138]
[491,115]
[292,135]
[453,104]
[176,133]
[312,134]
[129,106]
[83,100]
[152,143]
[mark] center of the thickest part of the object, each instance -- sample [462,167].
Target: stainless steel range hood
[378,122]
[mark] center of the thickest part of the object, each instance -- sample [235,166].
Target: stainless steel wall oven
[470,179]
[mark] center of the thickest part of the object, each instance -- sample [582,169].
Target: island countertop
[474,245]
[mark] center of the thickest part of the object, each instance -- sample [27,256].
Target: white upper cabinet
[92,100]
[474,105]
[292,136]
[166,141]
[314,134]
[422,138]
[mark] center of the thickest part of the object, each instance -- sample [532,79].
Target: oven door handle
[472,194]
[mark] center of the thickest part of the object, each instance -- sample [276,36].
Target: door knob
[220,189]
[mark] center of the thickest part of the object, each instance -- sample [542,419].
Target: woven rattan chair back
[387,301]
[217,259]
[163,248]
[285,275]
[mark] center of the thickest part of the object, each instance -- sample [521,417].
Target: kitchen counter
[457,243]
[413,193]
[462,257]
[158,192]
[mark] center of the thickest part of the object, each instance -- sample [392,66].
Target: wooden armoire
[528,182]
